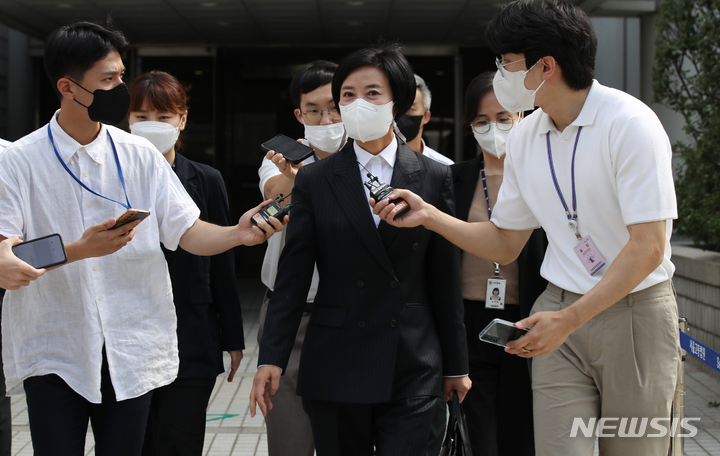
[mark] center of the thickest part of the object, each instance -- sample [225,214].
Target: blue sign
[700,351]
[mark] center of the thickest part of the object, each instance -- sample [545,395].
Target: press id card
[589,255]
[495,295]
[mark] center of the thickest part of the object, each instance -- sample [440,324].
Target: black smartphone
[43,252]
[500,332]
[292,151]
[129,216]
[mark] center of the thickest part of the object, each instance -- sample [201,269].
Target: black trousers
[59,418]
[176,424]
[498,407]
[399,428]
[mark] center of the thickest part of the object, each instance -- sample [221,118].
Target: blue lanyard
[572,218]
[117,162]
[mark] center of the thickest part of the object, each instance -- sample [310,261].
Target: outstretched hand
[252,234]
[419,212]
[288,169]
[14,272]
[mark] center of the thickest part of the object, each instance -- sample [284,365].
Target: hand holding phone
[129,216]
[43,252]
[291,150]
[500,332]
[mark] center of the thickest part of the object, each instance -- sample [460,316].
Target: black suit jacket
[204,288]
[388,316]
[465,176]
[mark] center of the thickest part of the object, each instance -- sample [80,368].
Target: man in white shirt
[91,339]
[288,426]
[413,123]
[592,166]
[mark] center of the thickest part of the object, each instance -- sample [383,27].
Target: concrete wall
[697,281]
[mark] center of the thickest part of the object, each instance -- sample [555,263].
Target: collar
[585,118]
[388,154]
[67,146]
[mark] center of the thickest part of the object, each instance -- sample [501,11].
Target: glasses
[483,126]
[314,116]
[501,66]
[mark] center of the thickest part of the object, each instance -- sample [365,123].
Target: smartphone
[43,252]
[292,151]
[500,332]
[129,216]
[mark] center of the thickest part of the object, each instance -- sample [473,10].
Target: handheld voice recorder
[380,191]
[273,209]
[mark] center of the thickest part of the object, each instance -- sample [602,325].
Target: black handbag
[456,441]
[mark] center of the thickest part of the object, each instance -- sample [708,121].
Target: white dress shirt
[380,166]
[4,144]
[429,152]
[60,322]
[623,176]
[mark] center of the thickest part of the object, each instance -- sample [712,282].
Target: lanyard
[487,199]
[117,162]
[572,218]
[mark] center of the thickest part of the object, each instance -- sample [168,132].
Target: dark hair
[539,28]
[310,77]
[479,86]
[159,91]
[391,62]
[73,49]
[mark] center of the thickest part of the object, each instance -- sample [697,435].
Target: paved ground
[231,431]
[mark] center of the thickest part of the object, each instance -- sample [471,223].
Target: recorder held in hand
[380,191]
[273,209]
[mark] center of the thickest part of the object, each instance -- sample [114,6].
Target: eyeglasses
[314,116]
[483,126]
[501,66]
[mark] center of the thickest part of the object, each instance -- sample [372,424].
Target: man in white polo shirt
[592,166]
[91,339]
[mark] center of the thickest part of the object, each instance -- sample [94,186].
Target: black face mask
[410,126]
[108,106]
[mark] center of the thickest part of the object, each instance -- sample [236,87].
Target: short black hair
[73,49]
[311,76]
[391,62]
[539,28]
[479,86]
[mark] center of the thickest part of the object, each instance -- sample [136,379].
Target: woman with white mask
[385,341]
[204,288]
[498,379]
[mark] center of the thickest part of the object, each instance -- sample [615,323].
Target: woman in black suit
[204,288]
[499,406]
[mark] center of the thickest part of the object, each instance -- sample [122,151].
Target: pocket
[144,243]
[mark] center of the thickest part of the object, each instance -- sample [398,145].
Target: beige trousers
[621,364]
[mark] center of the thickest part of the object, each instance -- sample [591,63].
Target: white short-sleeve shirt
[623,176]
[60,322]
[276,243]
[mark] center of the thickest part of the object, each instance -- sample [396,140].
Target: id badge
[589,255]
[495,295]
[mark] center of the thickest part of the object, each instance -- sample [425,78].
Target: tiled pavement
[231,431]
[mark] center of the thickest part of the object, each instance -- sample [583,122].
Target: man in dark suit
[386,338]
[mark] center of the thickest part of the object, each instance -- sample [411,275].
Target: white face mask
[365,121]
[161,134]
[492,142]
[510,90]
[327,138]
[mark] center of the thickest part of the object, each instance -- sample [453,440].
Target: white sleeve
[175,210]
[11,221]
[267,170]
[642,160]
[511,212]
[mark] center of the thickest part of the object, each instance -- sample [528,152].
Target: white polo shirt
[623,176]
[59,323]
